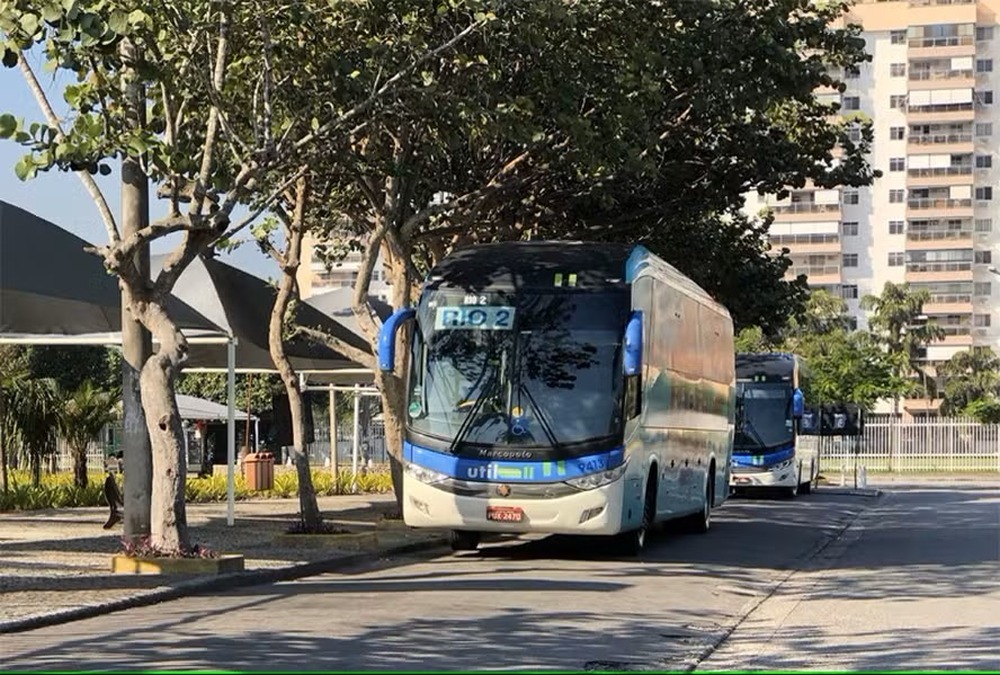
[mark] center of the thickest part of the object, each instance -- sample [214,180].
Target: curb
[221,582]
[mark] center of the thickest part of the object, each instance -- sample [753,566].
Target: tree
[185,91]
[847,366]
[258,387]
[972,384]
[28,413]
[72,366]
[607,122]
[896,323]
[83,415]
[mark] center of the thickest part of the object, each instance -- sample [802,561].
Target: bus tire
[634,541]
[463,540]
[807,487]
[701,523]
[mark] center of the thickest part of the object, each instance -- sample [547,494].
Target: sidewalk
[56,563]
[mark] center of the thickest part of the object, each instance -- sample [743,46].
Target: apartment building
[932,219]
[315,278]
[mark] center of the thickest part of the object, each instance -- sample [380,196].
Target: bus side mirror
[633,344]
[387,338]
[798,403]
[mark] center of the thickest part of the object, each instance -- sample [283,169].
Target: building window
[982,288]
[981,320]
[898,37]
[852,323]
[984,224]
[897,69]
[896,227]
[985,97]
[896,258]
[897,101]
[852,73]
[852,103]
[854,134]
[850,260]
[849,292]
[897,133]
[984,66]
[982,257]
[984,194]
[984,161]
[849,228]
[984,33]
[897,196]
[984,128]
[897,163]
[851,196]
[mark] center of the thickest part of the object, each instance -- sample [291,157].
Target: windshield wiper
[747,424]
[546,427]
[487,392]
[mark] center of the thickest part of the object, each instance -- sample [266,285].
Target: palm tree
[29,417]
[970,376]
[83,416]
[898,324]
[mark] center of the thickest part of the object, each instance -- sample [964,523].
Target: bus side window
[633,397]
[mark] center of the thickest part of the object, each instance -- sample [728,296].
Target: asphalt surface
[832,580]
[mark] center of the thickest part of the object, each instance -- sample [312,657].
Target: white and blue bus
[770,450]
[566,388]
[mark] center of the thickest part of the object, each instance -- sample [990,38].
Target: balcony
[917,272]
[934,79]
[940,175]
[938,239]
[939,207]
[941,143]
[948,304]
[946,46]
[816,274]
[808,243]
[805,211]
[941,114]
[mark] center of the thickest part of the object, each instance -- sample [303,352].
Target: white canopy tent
[52,291]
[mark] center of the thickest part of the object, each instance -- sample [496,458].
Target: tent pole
[231,432]
[334,467]
[356,440]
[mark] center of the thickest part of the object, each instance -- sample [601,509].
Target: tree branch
[263,206]
[212,128]
[88,181]
[359,356]
[389,85]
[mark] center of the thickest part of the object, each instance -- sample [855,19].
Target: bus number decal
[474,318]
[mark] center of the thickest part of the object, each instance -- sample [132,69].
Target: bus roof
[533,264]
[770,364]
[536,264]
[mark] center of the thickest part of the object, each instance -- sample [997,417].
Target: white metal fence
[933,445]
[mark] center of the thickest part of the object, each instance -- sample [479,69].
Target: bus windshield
[767,415]
[525,369]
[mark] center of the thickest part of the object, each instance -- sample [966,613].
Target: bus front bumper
[596,512]
[783,474]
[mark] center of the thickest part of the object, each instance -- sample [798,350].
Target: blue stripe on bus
[508,471]
[765,459]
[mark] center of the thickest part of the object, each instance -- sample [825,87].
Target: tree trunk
[311,519]
[393,385]
[35,463]
[80,466]
[168,526]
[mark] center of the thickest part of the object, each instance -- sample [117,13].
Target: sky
[60,197]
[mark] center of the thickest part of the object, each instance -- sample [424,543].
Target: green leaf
[104,170]
[119,22]
[137,18]
[354,74]
[29,23]
[10,58]
[8,125]
[24,169]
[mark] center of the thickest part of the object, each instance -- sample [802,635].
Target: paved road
[560,604]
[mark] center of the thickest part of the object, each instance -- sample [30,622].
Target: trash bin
[258,469]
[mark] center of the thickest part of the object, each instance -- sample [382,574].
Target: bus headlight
[424,475]
[599,479]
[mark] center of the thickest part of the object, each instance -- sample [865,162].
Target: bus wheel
[634,541]
[807,487]
[463,540]
[700,523]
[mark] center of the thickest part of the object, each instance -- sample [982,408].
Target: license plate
[506,514]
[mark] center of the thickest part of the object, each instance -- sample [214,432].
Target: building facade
[931,220]
[315,277]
